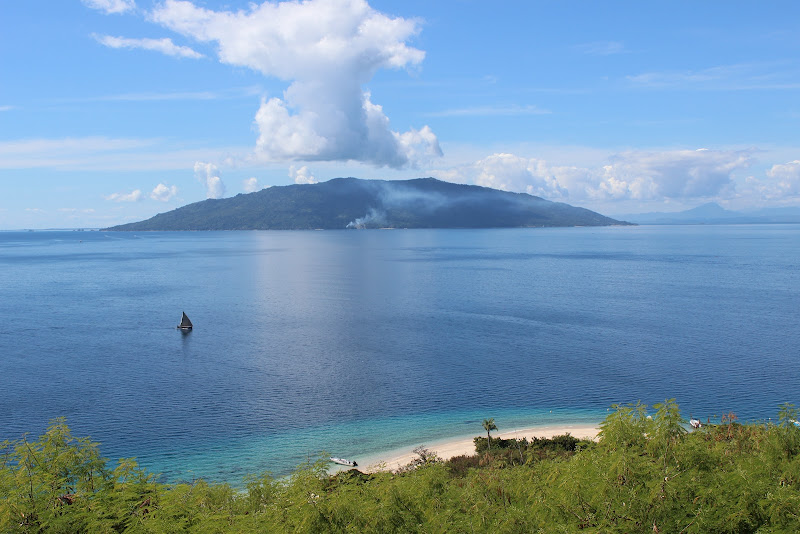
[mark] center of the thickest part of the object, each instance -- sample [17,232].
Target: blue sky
[115,110]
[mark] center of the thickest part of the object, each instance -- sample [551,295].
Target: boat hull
[342,461]
[185,323]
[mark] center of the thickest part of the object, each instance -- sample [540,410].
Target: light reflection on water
[360,341]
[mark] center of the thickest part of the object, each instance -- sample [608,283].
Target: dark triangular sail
[185,322]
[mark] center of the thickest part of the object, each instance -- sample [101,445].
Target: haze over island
[116,110]
[350,203]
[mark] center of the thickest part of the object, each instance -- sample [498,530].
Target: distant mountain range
[353,203]
[713,213]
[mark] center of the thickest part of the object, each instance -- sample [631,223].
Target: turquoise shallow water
[359,341]
[227,459]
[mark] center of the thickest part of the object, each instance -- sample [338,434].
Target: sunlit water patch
[360,341]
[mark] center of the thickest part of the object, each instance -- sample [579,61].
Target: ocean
[357,342]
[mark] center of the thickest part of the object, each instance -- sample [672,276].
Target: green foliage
[787,414]
[645,474]
[556,443]
[488,426]
[424,457]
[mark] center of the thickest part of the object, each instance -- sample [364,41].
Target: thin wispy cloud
[108,154]
[76,210]
[736,77]
[164,45]
[111,6]
[229,94]
[156,97]
[672,121]
[70,145]
[601,48]
[234,93]
[6,108]
[486,111]
[132,196]
[673,79]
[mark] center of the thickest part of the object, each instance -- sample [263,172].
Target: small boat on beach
[186,324]
[695,423]
[342,461]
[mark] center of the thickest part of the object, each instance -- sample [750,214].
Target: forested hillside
[352,203]
[644,474]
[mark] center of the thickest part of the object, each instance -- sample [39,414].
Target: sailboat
[186,324]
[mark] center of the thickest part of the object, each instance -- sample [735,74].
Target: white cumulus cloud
[328,50]
[674,174]
[782,182]
[111,6]
[134,196]
[208,175]
[251,185]
[633,175]
[164,45]
[164,193]
[509,172]
[301,175]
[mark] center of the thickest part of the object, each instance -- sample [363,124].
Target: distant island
[354,203]
[713,213]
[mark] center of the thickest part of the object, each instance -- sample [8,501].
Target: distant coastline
[352,203]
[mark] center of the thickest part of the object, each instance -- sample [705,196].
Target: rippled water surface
[361,341]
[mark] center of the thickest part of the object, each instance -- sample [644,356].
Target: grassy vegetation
[644,474]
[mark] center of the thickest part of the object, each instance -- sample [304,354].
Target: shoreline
[464,445]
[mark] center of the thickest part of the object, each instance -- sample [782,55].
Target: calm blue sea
[354,342]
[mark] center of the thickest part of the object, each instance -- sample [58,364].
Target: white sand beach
[447,449]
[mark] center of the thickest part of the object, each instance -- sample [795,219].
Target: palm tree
[488,425]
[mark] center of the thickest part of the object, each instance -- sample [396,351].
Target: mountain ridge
[343,203]
[713,213]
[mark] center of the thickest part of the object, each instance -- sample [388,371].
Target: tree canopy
[645,473]
[352,203]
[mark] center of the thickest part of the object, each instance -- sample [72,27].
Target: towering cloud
[208,175]
[328,50]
